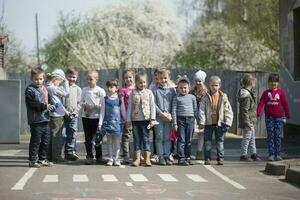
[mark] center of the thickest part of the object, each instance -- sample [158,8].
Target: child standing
[276,111]
[58,89]
[163,96]
[247,117]
[111,123]
[91,101]
[184,113]
[141,114]
[199,91]
[38,107]
[128,76]
[72,105]
[215,117]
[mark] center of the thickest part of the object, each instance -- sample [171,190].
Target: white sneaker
[117,162]
[278,158]
[45,163]
[271,158]
[109,162]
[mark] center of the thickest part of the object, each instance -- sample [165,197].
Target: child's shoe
[245,158]
[198,155]
[109,162]
[126,160]
[183,162]
[168,161]
[278,158]
[71,156]
[162,161]
[154,158]
[255,157]
[89,160]
[220,162]
[207,162]
[271,158]
[117,162]
[189,161]
[171,157]
[45,163]
[34,164]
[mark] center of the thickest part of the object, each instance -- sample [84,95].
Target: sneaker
[45,163]
[162,161]
[71,156]
[278,158]
[183,162]
[109,162]
[189,161]
[117,162]
[220,162]
[89,161]
[100,161]
[245,158]
[169,161]
[207,162]
[255,157]
[126,161]
[154,159]
[271,158]
[34,164]
[171,158]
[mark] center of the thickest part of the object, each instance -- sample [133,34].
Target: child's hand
[50,107]
[128,125]
[175,127]
[201,126]
[67,113]
[99,127]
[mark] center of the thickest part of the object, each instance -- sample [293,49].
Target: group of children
[172,112]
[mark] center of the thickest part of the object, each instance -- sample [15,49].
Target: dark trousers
[90,127]
[39,141]
[56,139]
[185,132]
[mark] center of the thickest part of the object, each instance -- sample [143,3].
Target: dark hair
[183,79]
[36,71]
[72,71]
[128,70]
[113,82]
[273,77]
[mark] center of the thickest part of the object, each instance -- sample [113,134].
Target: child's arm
[33,102]
[261,104]
[78,100]
[244,110]
[123,109]
[196,111]
[102,112]
[128,113]
[152,107]
[174,113]
[202,116]
[285,105]
[228,114]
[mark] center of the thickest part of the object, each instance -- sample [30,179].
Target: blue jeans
[219,136]
[39,141]
[274,127]
[71,128]
[185,134]
[141,136]
[162,139]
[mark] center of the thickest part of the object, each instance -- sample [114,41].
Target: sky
[19,16]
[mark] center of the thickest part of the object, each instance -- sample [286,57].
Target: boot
[136,158]
[199,155]
[147,159]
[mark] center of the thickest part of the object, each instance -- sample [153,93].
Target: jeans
[56,138]
[127,134]
[248,141]
[113,145]
[162,139]
[274,128]
[141,136]
[39,141]
[185,134]
[219,136]
[90,127]
[71,128]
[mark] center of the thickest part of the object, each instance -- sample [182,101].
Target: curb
[293,175]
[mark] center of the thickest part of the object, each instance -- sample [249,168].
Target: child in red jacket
[276,110]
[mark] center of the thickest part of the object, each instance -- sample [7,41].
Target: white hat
[58,73]
[200,75]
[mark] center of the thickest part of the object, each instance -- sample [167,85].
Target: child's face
[214,86]
[112,90]
[57,81]
[38,80]
[91,81]
[141,83]
[163,79]
[128,78]
[183,88]
[72,78]
[198,84]
[273,85]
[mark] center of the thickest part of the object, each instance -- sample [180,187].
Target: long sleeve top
[58,93]
[275,104]
[72,102]
[163,97]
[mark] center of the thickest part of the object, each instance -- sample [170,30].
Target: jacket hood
[243,93]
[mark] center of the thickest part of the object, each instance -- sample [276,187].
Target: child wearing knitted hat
[199,91]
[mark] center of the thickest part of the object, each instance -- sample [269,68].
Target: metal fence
[230,85]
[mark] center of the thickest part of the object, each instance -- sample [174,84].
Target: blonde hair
[140,76]
[214,79]
[163,71]
[247,80]
[92,73]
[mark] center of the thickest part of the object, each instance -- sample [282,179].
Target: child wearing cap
[184,113]
[199,91]
[58,88]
